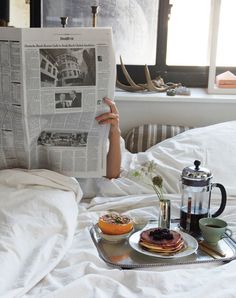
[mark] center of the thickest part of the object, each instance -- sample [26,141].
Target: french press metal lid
[196,175]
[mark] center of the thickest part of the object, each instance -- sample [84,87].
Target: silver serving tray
[120,254]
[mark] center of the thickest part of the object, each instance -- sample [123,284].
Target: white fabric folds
[213,145]
[38,216]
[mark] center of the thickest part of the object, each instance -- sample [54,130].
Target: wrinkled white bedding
[72,268]
[214,146]
[82,273]
[38,215]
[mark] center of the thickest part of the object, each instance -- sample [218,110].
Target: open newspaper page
[13,141]
[66,74]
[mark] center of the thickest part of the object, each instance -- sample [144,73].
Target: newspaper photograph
[52,85]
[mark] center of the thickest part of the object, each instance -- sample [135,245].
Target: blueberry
[165,231]
[158,237]
[169,237]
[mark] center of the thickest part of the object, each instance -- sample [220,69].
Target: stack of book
[226,80]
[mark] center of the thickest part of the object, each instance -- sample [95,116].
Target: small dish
[112,238]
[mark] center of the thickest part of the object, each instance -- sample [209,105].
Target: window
[171,36]
[43,64]
[223,48]
[184,34]
[134,23]
[182,44]
[226,47]
[49,68]
[19,13]
[188,34]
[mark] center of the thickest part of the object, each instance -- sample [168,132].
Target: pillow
[141,138]
[213,145]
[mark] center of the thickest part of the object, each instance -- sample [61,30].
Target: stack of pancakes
[161,241]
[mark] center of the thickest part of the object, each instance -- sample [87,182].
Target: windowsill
[198,95]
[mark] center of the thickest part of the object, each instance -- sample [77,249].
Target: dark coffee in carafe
[196,197]
[190,222]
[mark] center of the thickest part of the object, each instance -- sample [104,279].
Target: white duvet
[82,273]
[38,216]
[214,146]
[55,247]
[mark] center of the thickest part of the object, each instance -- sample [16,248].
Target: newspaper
[52,82]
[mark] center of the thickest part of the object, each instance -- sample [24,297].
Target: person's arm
[114,153]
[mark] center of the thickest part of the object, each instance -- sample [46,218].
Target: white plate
[190,242]
[112,238]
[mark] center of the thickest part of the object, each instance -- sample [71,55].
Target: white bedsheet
[38,215]
[82,273]
[214,146]
[72,268]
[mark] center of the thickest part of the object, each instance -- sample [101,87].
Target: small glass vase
[164,214]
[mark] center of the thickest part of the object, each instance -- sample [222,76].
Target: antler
[156,85]
[129,88]
[133,87]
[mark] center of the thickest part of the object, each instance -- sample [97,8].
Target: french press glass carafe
[196,197]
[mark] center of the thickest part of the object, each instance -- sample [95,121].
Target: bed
[46,249]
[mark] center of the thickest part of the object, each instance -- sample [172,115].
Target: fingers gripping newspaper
[52,82]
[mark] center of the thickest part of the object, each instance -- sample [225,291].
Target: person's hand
[111,117]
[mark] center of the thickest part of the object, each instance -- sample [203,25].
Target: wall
[199,109]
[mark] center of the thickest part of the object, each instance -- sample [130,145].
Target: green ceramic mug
[213,229]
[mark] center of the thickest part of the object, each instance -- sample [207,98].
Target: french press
[196,197]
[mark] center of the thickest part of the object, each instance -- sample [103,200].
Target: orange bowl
[115,224]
